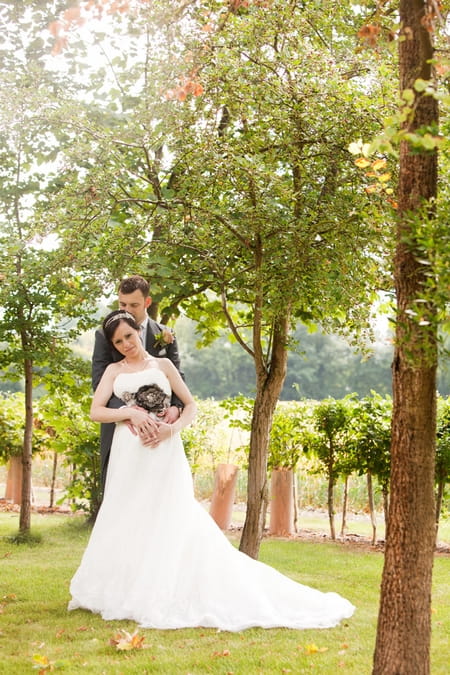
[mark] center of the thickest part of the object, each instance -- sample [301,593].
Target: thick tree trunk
[404,630]
[269,382]
[25,509]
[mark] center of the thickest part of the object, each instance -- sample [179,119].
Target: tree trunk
[25,509]
[53,483]
[330,502]
[370,498]
[269,382]
[295,498]
[439,497]
[385,491]
[404,622]
[344,507]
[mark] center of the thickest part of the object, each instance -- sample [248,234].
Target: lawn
[35,627]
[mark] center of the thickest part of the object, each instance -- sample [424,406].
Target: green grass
[34,583]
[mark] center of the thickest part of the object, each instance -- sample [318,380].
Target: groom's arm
[101,358]
[173,355]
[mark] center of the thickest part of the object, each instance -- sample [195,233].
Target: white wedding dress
[155,556]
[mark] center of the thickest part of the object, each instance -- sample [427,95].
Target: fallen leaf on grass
[38,645]
[314,649]
[44,665]
[125,641]
[226,652]
[42,662]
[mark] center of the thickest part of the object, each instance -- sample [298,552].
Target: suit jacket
[104,354]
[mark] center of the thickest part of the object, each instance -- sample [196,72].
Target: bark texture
[25,509]
[269,382]
[404,630]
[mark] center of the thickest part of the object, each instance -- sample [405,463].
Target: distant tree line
[319,365]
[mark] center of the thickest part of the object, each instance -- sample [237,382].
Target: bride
[155,556]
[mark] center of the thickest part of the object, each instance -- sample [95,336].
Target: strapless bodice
[148,388]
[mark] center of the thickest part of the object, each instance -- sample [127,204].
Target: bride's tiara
[117,317]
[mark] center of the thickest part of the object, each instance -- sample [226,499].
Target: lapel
[152,329]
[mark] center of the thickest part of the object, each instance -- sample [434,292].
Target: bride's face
[127,341]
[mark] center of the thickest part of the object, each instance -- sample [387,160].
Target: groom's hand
[170,415]
[149,436]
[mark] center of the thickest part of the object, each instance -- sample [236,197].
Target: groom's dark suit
[103,355]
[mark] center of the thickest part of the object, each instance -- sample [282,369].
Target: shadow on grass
[24,538]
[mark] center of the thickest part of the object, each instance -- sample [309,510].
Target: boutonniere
[164,338]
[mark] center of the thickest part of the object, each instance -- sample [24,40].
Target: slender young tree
[259,205]
[49,277]
[227,153]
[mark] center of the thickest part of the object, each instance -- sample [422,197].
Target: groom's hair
[134,283]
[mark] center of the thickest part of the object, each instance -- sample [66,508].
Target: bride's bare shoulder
[115,368]
[163,363]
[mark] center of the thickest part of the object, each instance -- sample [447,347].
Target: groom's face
[136,304]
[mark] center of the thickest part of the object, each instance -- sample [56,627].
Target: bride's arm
[180,389]
[101,413]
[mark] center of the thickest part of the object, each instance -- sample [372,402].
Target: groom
[134,297]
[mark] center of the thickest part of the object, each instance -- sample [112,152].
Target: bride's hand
[142,424]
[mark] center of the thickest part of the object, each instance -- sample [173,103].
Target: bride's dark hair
[113,319]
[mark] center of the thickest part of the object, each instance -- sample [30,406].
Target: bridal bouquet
[150,397]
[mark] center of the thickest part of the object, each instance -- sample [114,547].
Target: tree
[285,445]
[48,282]
[65,407]
[328,442]
[404,622]
[230,159]
[256,205]
[442,453]
[370,441]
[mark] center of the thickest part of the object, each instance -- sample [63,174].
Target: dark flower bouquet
[150,397]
